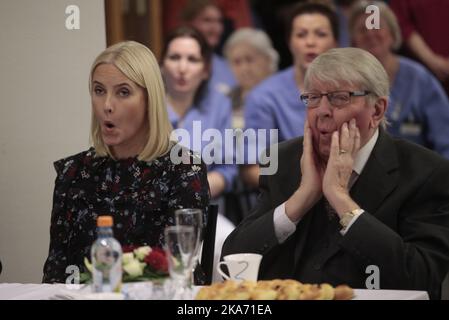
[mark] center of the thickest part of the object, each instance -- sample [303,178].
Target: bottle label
[107,271]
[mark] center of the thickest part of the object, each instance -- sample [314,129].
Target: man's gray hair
[258,39]
[351,66]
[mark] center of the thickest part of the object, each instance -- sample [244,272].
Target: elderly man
[349,204]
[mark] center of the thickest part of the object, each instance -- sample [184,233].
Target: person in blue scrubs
[275,103]
[252,59]
[200,116]
[419,108]
[207,18]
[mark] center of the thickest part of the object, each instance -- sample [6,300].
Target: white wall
[44,116]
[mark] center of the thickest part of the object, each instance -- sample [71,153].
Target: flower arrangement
[138,264]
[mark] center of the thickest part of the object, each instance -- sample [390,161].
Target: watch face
[347,217]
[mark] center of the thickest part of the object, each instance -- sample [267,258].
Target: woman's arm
[56,263]
[438,64]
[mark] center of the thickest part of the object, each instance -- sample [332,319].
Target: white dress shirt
[284,227]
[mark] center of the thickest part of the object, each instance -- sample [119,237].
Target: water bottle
[106,256]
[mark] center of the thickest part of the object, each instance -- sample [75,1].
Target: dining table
[32,291]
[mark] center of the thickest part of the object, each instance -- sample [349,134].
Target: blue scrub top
[213,113]
[275,104]
[222,79]
[418,109]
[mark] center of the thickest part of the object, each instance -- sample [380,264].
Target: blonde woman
[128,172]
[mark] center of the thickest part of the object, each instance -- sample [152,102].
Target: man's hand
[312,174]
[309,192]
[344,147]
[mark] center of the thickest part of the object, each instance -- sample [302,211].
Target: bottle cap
[104,221]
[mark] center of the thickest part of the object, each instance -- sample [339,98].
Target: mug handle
[237,276]
[224,275]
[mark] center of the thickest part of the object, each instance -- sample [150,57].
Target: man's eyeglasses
[337,99]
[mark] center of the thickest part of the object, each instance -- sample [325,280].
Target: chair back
[445,288]
[207,254]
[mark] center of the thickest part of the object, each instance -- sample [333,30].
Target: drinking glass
[180,245]
[193,218]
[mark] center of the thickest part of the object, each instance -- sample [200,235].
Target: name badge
[410,129]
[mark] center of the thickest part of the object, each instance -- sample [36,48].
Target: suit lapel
[291,174]
[287,186]
[377,180]
[379,177]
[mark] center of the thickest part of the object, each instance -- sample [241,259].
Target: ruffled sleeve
[190,188]
[56,263]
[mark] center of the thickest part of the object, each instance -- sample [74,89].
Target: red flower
[71,171]
[145,172]
[196,185]
[157,260]
[115,187]
[87,160]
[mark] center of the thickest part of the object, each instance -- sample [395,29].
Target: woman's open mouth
[109,126]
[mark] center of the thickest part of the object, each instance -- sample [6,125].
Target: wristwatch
[347,217]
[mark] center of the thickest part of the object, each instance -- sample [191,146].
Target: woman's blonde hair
[137,63]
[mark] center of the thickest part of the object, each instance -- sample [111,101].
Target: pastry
[276,289]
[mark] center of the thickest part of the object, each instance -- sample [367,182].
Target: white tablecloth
[17,291]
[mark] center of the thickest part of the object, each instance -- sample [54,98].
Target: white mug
[241,266]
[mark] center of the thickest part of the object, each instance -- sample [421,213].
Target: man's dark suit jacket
[404,190]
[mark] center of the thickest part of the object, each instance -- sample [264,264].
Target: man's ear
[379,109]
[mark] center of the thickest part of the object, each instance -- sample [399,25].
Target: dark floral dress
[141,196]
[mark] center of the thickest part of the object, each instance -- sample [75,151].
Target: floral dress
[141,196]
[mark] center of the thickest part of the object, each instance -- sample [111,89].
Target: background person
[185,66]
[195,108]
[419,107]
[274,104]
[207,18]
[252,59]
[424,25]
